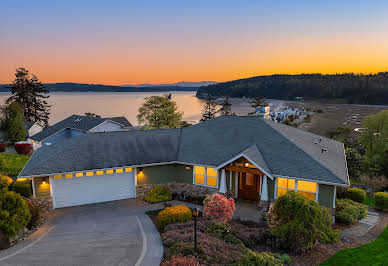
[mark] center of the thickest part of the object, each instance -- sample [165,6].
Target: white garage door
[92,189]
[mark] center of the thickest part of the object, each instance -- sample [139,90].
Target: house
[32,128]
[77,125]
[247,157]
[263,111]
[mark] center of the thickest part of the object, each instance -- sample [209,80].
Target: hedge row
[348,211]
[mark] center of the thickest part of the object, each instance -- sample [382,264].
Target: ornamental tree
[218,207]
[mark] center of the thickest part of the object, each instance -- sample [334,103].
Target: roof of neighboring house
[29,124]
[77,122]
[278,149]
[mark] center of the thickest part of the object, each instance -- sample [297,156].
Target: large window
[305,188]
[205,176]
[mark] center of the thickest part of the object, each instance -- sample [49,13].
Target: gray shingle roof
[121,120]
[29,124]
[278,149]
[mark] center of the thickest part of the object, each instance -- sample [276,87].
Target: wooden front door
[249,186]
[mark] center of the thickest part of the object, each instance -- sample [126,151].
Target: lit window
[99,172]
[69,175]
[211,177]
[57,176]
[110,171]
[205,176]
[118,171]
[128,169]
[305,188]
[199,170]
[199,175]
[249,179]
[89,173]
[286,183]
[79,174]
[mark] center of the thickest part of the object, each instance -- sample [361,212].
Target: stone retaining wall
[47,203]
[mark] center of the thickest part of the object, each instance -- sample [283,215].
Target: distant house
[32,128]
[77,125]
[262,111]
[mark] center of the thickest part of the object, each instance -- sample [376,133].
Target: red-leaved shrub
[181,261]
[218,207]
[2,147]
[23,148]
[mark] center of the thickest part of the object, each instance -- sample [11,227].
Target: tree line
[351,88]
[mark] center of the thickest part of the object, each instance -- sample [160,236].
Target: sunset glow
[132,42]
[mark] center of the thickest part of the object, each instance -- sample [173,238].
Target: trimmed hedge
[5,181]
[356,194]
[23,187]
[23,148]
[14,213]
[158,194]
[348,211]
[174,214]
[259,258]
[381,200]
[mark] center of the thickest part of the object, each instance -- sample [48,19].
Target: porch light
[246,164]
[187,167]
[44,182]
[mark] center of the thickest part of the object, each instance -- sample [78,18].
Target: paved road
[113,233]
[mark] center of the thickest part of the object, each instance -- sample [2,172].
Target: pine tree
[209,110]
[14,123]
[226,107]
[31,95]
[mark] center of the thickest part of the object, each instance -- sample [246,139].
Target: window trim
[205,177]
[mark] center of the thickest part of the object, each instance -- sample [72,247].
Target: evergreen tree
[209,110]
[226,107]
[14,123]
[159,112]
[92,115]
[31,95]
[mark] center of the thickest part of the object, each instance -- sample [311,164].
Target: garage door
[92,189]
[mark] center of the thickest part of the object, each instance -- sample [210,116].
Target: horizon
[133,43]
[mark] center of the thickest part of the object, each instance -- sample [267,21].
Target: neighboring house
[263,111]
[247,157]
[32,128]
[77,125]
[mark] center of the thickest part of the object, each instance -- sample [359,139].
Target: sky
[144,41]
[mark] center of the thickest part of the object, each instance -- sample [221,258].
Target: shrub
[5,181]
[2,147]
[259,259]
[285,258]
[23,148]
[222,231]
[23,187]
[218,207]
[381,199]
[300,221]
[37,212]
[14,213]
[348,211]
[158,194]
[376,183]
[356,194]
[181,261]
[174,214]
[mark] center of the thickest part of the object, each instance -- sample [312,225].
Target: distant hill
[78,87]
[347,88]
[179,84]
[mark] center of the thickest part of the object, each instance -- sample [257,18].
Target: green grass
[370,201]
[11,164]
[374,253]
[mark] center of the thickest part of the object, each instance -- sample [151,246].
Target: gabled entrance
[248,186]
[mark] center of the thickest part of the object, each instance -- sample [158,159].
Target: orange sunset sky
[132,42]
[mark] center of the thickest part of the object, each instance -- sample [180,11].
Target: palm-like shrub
[218,207]
[174,214]
[14,213]
[158,194]
[5,181]
[381,199]
[300,221]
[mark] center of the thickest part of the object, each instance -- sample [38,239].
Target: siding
[271,188]
[325,196]
[42,190]
[161,174]
[106,127]
[64,135]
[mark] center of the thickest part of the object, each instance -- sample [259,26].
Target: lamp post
[195,212]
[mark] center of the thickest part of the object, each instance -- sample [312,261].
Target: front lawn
[11,164]
[370,201]
[374,253]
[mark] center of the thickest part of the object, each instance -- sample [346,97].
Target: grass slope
[11,164]
[374,253]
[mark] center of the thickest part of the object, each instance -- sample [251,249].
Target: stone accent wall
[46,202]
[177,188]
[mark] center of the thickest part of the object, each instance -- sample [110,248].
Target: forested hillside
[351,88]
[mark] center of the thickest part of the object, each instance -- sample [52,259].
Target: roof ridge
[265,160]
[179,143]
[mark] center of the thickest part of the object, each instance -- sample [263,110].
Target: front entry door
[249,186]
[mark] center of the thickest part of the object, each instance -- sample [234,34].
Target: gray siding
[271,188]
[325,196]
[162,174]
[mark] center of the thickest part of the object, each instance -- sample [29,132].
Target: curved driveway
[113,233]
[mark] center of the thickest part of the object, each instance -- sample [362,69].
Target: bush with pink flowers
[218,207]
[181,261]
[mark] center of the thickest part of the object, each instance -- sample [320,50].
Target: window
[69,175]
[305,188]
[119,170]
[56,177]
[205,176]
[99,172]
[79,174]
[89,173]
[128,169]
[108,172]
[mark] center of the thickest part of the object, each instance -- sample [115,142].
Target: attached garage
[69,190]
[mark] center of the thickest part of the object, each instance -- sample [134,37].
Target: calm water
[109,104]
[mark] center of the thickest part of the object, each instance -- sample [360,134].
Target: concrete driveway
[113,233]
